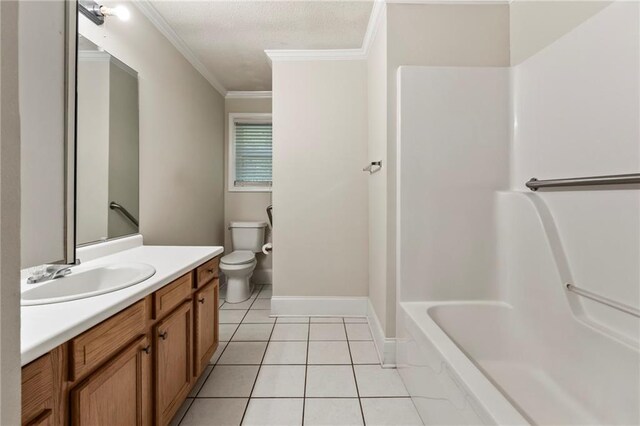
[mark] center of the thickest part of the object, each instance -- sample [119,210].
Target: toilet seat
[239,257]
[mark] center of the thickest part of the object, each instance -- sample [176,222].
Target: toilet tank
[247,235]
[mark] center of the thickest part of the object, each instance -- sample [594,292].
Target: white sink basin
[83,283]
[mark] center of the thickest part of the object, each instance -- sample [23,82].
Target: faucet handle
[36,278]
[56,268]
[58,271]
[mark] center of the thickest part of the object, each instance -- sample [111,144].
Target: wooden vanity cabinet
[174,349]
[134,368]
[206,325]
[42,404]
[118,393]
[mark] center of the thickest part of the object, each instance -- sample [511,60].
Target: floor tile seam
[244,413]
[353,370]
[306,369]
[186,411]
[308,397]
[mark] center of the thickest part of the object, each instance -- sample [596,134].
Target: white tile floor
[295,371]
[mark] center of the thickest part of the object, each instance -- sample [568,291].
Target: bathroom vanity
[140,349]
[122,337]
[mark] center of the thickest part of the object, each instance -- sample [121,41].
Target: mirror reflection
[107,195]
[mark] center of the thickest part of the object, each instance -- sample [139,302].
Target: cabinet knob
[163,335]
[201,300]
[210,271]
[147,349]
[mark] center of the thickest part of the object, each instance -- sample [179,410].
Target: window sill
[249,189]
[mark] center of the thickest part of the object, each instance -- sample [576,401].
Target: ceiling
[229,37]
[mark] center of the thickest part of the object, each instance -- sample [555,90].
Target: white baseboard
[386,346]
[262,276]
[319,306]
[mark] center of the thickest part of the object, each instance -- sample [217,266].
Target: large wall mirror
[107,192]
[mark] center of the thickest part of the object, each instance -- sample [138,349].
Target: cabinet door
[37,391]
[206,325]
[174,354]
[119,393]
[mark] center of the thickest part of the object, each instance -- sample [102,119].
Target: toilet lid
[239,257]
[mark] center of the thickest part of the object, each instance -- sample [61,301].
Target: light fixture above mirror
[97,12]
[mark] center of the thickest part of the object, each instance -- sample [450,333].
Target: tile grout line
[186,411]
[306,369]
[262,363]
[246,407]
[294,365]
[311,397]
[353,369]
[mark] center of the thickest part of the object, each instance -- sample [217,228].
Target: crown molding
[451,2]
[360,53]
[373,25]
[248,95]
[161,24]
[354,54]
[316,55]
[372,28]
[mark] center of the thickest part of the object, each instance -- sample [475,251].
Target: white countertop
[46,326]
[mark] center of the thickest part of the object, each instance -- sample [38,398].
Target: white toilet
[247,239]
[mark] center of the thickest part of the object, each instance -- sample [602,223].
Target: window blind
[253,154]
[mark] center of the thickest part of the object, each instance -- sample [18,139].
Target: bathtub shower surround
[488,333]
[525,360]
[454,207]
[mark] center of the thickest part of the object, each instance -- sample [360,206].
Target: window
[250,159]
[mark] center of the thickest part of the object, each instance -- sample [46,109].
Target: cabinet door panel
[43,389]
[118,393]
[206,326]
[173,362]
[37,387]
[45,418]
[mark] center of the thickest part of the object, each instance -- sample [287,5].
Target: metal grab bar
[115,206]
[612,303]
[270,214]
[633,178]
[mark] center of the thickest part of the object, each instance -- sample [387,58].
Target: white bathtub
[487,363]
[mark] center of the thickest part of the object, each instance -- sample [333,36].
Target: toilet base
[238,289]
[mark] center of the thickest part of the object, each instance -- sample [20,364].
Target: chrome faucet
[52,272]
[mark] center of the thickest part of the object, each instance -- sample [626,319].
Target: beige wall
[249,206]
[320,192]
[538,24]
[377,146]
[92,153]
[181,135]
[430,35]
[124,148]
[9,217]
